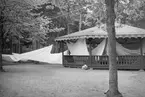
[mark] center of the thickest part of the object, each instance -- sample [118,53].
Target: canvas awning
[122,31]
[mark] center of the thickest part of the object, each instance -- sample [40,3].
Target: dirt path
[55,81]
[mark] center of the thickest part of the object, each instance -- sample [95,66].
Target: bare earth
[44,80]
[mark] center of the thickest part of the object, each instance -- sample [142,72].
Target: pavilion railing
[75,60]
[123,62]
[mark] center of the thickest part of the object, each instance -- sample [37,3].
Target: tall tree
[113,76]
[1,32]
[14,18]
[1,67]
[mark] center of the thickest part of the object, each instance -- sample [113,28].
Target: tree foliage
[131,11]
[49,23]
[16,20]
[15,15]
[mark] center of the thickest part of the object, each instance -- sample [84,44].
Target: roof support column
[141,53]
[62,50]
[90,53]
[11,45]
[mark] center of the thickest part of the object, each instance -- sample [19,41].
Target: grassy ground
[45,80]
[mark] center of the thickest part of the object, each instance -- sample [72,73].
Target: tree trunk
[68,28]
[1,46]
[68,17]
[113,76]
[80,22]
[1,41]
[1,67]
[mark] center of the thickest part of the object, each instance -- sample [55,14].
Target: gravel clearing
[46,80]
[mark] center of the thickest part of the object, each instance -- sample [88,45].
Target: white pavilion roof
[122,31]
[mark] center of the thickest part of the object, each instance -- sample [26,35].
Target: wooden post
[19,43]
[62,50]
[90,52]
[11,45]
[141,53]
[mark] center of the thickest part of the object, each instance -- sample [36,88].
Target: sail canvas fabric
[29,55]
[41,55]
[99,49]
[120,50]
[124,51]
[9,58]
[78,48]
[55,58]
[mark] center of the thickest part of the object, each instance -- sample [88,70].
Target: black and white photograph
[72,48]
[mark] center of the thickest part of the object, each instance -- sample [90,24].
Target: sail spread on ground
[99,49]
[78,48]
[9,58]
[26,56]
[48,57]
[41,55]
[34,53]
